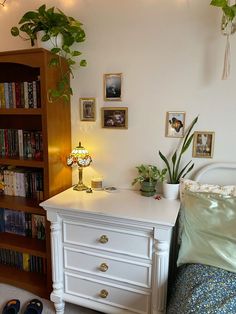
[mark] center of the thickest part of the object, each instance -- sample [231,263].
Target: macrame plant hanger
[227,28]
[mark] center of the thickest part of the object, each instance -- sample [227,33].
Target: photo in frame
[114,117]
[87,109]
[203,144]
[112,86]
[175,123]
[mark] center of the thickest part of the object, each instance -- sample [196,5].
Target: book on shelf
[22,223]
[2,222]
[6,95]
[23,261]
[25,94]
[24,182]
[2,184]
[17,94]
[38,227]
[26,261]
[2,96]
[14,221]
[21,143]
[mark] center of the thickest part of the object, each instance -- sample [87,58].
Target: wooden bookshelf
[23,244]
[32,282]
[53,120]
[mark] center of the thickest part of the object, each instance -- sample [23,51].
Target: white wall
[171,56]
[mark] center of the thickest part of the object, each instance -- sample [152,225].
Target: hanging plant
[54,24]
[228,27]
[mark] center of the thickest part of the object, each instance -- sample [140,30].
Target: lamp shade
[79,157]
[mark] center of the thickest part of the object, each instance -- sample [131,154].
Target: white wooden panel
[118,269]
[130,299]
[119,241]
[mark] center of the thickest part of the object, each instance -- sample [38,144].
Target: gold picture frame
[175,124]
[114,117]
[87,109]
[112,87]
[203,144]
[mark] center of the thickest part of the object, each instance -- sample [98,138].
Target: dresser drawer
[108,238]
[108,267]
[130,299]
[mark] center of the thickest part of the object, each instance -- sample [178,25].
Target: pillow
[190,185]
[209,225]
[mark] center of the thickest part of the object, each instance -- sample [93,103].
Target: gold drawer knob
[103,239]
[103,293]
[103,267]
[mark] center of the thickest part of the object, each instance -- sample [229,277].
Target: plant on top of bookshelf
[55,26]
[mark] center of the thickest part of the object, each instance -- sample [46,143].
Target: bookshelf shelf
[21,111]
[23,244]
[23,73]
[36,283]
[21,203]
[21,162]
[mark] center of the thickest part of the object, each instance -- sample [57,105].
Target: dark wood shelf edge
[33,282]
[20,162]
[21,203]
[21,111]
[23,244]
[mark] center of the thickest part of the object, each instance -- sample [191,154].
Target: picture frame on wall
[87,109]
[112,86]
[203,144]
[114,117]
[175,124]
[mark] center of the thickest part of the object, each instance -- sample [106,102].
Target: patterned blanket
[202,289]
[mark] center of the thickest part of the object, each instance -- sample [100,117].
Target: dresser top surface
[124,203]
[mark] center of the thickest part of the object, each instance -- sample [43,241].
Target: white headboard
[217,173]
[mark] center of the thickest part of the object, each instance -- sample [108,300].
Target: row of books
[21,143]
[23,261]
[22,223]
[20,95]
[25,182]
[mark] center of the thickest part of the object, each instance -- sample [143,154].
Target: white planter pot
[170,191]
[49,44]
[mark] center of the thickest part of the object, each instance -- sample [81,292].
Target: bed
[205,280]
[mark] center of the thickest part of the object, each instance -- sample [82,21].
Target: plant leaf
[83,63]
[180,175]
[219,3]
[167,164]
[15,31]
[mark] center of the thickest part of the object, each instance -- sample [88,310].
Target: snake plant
[175,172]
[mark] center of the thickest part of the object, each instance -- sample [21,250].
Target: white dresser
[110,251]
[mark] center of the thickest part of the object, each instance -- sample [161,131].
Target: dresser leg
[57,264]
[160,270]
[60,307]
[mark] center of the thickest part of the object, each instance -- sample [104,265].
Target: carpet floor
[8,292]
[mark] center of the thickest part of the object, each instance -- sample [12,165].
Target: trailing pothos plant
[54,23]
[228,10]
[149,173]
[175,171]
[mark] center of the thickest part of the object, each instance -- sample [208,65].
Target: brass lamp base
[80,187]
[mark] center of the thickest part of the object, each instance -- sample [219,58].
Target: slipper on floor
[34,306]
[11,307]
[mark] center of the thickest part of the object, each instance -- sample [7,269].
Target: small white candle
[96,183]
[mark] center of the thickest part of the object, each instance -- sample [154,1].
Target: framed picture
[112,86]
[175,123]
[115,117]
[87,109]
[203,144]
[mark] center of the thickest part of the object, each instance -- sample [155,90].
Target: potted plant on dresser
[174,169]
[148,176]
[62,32]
